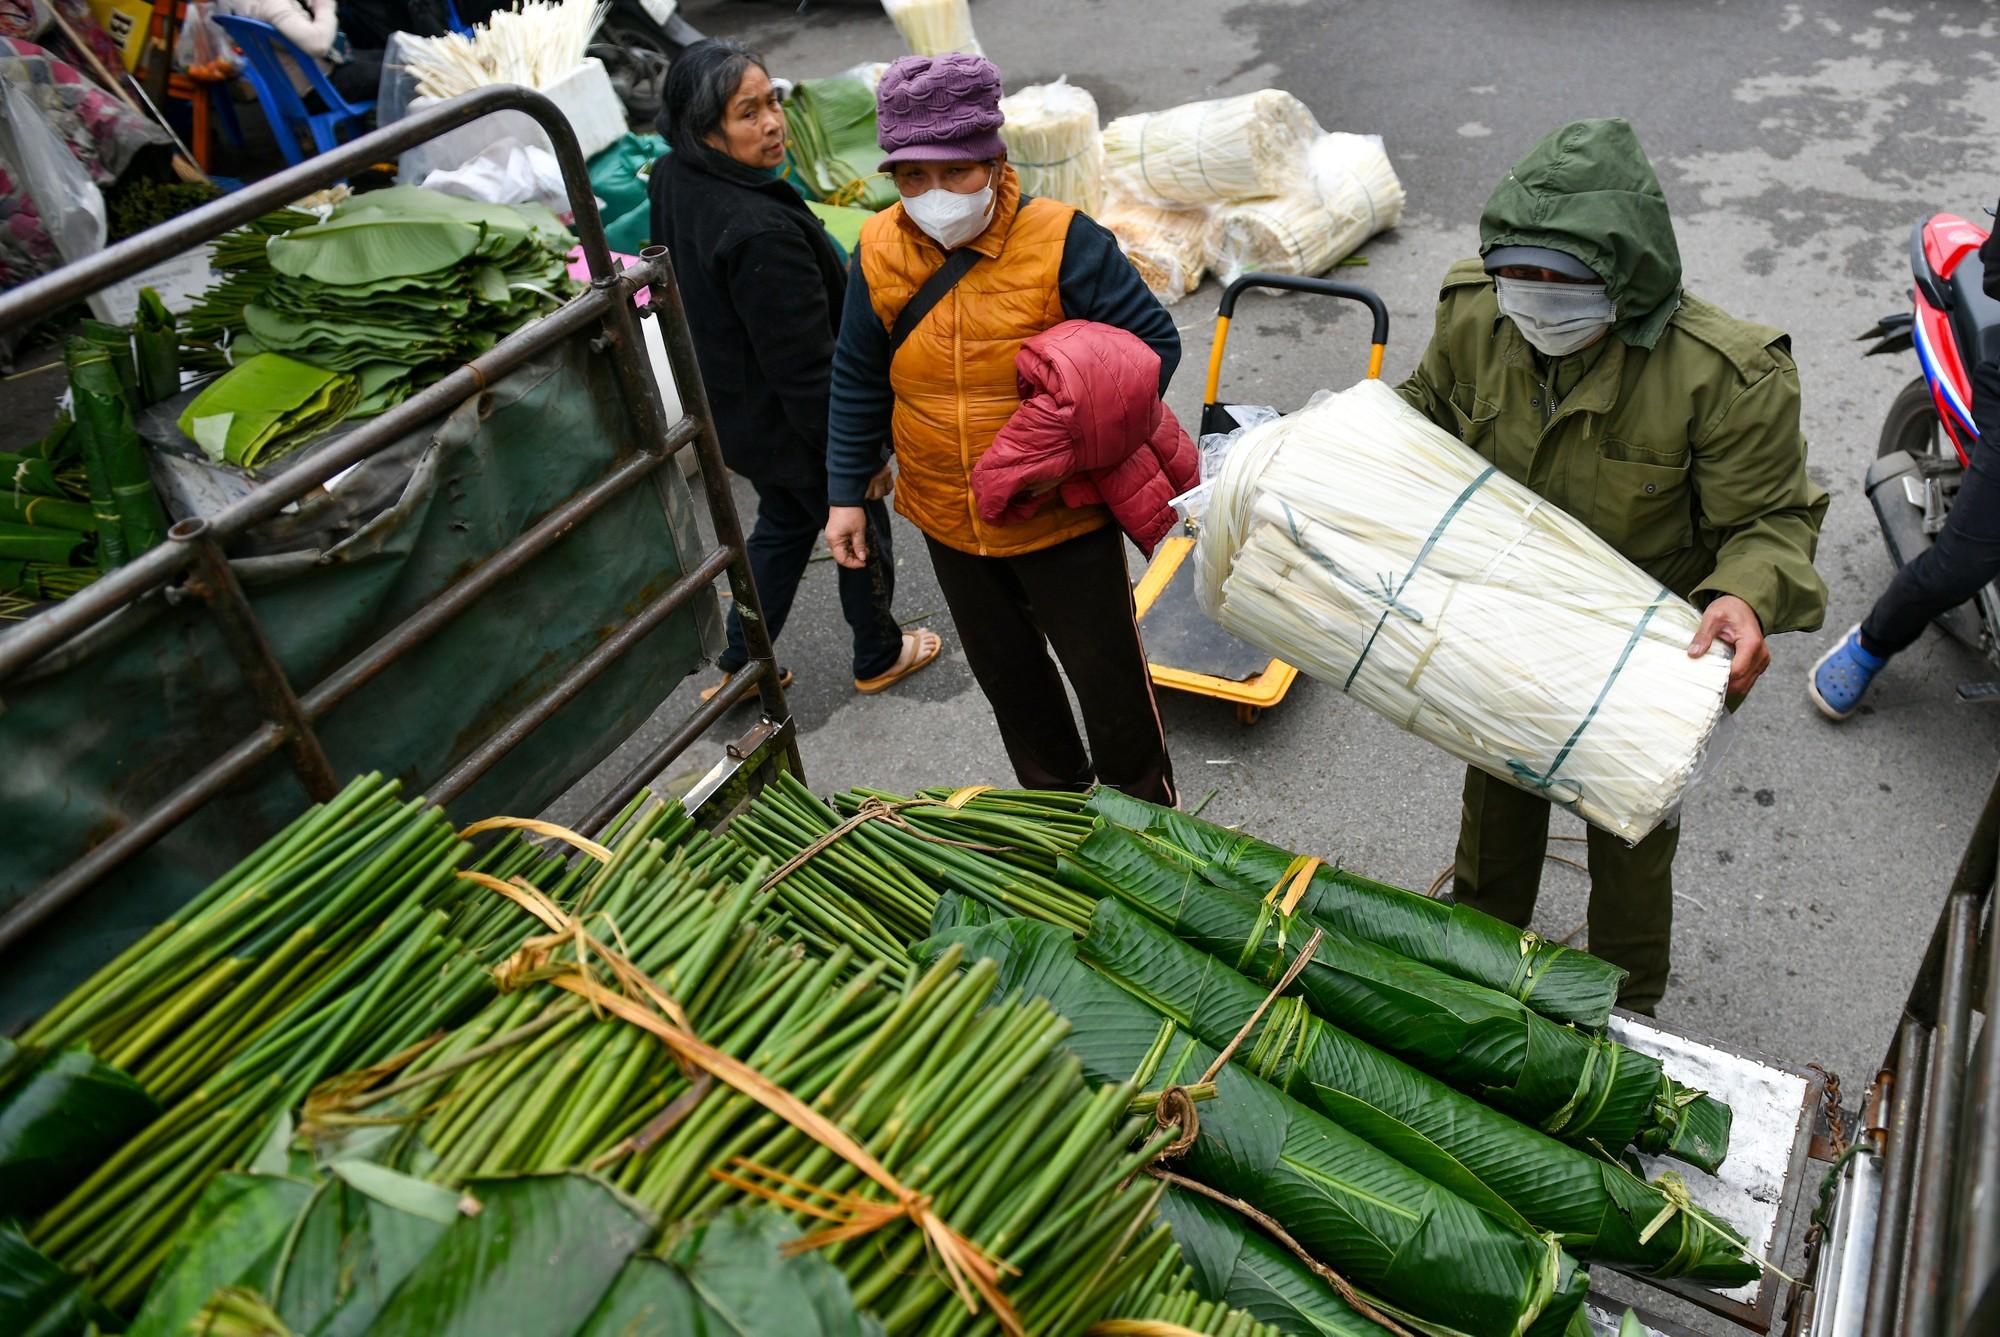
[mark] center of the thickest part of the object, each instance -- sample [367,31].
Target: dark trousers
[1503,835]
[789,523]
[1966,556]
[1077,598]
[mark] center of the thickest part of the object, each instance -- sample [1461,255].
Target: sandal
[709,693]
[920,647]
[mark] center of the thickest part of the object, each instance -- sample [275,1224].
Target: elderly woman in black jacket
[762,284]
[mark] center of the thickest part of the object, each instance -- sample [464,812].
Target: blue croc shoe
[1841,677]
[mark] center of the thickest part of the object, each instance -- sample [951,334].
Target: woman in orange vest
[945,287]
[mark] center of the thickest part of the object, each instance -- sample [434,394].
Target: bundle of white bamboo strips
[1053,141]
[1215,152]
[934,27]
[535,45]
[1169,247]
[1347,193]
[1362,543]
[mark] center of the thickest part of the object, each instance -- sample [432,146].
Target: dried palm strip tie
[1349,193]
[1169,247]
[1216,152]
[1369,547]
[934,27]
[1054,143]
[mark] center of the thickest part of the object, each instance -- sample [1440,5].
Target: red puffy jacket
[1091,423]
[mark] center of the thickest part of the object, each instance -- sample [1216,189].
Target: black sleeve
[1096,282]
[777,289]
[861,404]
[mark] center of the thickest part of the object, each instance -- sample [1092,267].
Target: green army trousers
[1502,837]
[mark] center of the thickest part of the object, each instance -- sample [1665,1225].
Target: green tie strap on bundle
[129,516]
[1559,983]
[266,406]
[1583,1089]
[1385,1228]
[156,347]
[1598,1209]
[832,123]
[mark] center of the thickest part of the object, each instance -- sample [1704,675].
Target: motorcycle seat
[1975,317]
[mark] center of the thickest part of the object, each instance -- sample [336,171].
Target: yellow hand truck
[1184,649]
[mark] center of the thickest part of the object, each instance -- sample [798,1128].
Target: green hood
[1588,190]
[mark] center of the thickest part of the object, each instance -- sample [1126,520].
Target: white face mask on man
[1556,318]
[949,218]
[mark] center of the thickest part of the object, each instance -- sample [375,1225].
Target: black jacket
[762,285]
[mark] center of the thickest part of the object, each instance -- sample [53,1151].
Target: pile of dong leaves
[323,319]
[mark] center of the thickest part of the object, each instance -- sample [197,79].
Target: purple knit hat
[939,109]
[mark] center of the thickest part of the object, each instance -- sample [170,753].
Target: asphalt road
[1797,142]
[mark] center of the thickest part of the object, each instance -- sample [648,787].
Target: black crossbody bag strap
[928,296]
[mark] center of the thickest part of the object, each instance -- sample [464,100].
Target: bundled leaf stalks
[1166,1302]
[534,44]
[1346,193]
[1597,1208]
[1214,152]
[1054,143]
[1170,248]
[1580,1088]
[336,942]
[934,27]
[1407,1243]
[831,124]
[1365,544]
[666,1063]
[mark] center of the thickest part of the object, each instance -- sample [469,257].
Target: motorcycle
[1925,444]
[638,41]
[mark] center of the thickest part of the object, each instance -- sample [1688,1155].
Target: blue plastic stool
[262,46]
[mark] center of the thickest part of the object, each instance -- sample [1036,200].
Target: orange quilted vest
[954,376]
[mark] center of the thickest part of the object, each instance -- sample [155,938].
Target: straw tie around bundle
[973,1274]
[877,810]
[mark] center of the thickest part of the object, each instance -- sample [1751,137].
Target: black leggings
[1966,556]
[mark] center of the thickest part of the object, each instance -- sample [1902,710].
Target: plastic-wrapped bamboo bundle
[1349,193]
[1169,247]
[1235,148]
[1054,143]
[1369,547]
[933,27]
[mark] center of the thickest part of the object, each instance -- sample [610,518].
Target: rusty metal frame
[196,556]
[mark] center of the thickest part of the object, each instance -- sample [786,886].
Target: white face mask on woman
[949,218]
[1557,318]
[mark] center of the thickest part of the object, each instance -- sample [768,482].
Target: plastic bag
[203,50]
[67,201]
[506,172]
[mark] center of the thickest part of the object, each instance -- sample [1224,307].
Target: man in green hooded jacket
[1570,356]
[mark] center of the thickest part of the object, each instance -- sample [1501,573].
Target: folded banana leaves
[1556,981]
[156,349]
[47,512]
[266,406]
[1599,1210]
[832,127]
[1581,1088]
[394,288]
[130,517]
[115,342]
[1382,1226]
[1247,1270]
[61,1116]
[48,544]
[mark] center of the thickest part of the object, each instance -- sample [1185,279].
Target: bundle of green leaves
[391,291]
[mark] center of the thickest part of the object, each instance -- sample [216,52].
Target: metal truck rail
[195,557]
